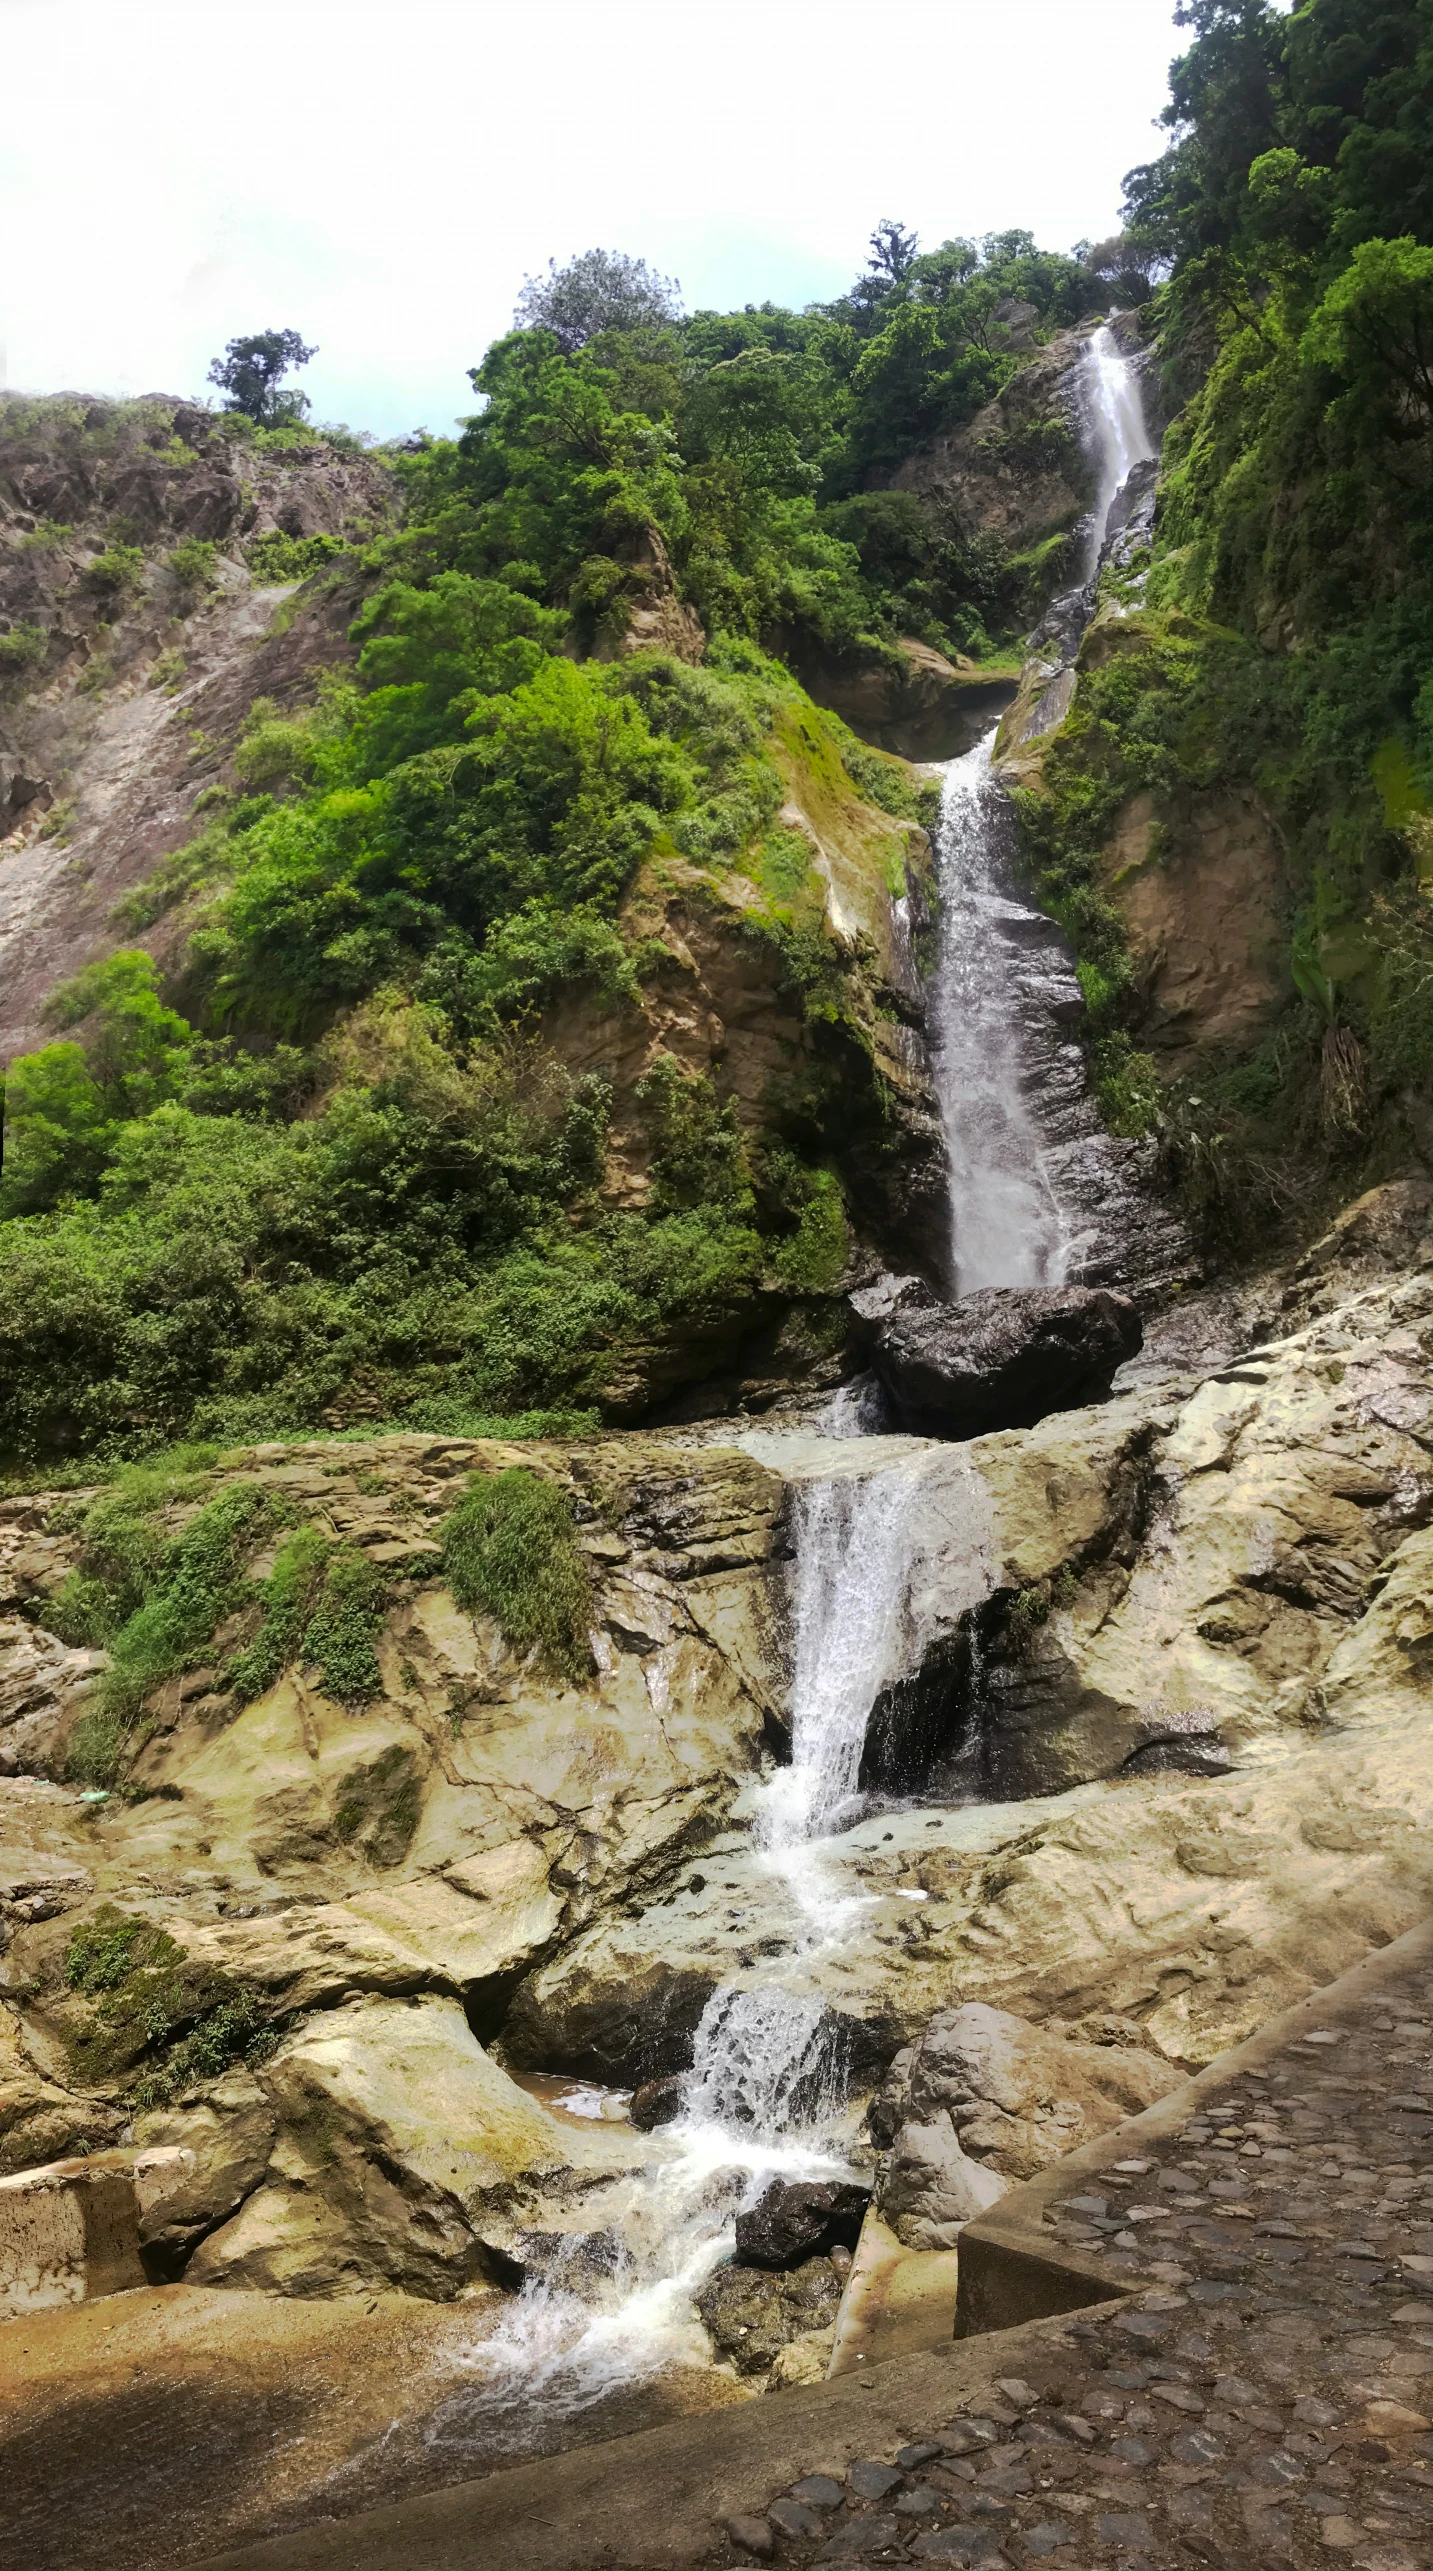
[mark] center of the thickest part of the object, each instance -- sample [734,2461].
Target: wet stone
[793,2519]
[969,2544]
[857,2535]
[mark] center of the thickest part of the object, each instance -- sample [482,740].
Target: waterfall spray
[1121,435]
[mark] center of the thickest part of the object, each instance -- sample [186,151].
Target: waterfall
[1007,1225]
[851,1639]
[1121,436]
[1041,1194]
[1029,1164]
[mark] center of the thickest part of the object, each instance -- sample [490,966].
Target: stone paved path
[1269,2400]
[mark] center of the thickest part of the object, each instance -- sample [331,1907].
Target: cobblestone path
[1269,2399]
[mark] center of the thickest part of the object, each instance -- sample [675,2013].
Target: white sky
[381,174]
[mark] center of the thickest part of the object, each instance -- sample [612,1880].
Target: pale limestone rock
[931,2190]
[221,2142]
[302,1959]
[489,1916]
[1384,1665]
[42,1683]
[399,2136]
[1011,2097]
[39,2120]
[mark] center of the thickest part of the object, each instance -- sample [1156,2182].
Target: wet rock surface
[800,2219]
[1269,2399]
[753,2314]
[1004,1357]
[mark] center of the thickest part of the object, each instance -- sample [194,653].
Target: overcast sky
[382,177]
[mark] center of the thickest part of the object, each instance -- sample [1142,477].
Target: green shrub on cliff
[510,1552]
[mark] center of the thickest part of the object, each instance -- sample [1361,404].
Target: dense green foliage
[509,1551]
[1283,644]
[155,1594]
[334,1173]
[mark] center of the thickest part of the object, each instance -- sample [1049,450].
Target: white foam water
[1008,1227]
[1121,433]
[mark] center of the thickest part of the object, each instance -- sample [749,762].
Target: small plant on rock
[509,1550]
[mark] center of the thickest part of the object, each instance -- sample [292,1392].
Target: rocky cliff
[1202,1614]
[149,558]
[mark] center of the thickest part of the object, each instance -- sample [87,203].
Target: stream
[765,2096]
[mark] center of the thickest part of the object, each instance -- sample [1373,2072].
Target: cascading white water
[988,1019]
[851,1638]
[1121,435]
[1007,1225]
[763,2096]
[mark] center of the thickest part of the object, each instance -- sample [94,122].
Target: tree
[1375,328]
[251,370]
[892,251]
[598,290]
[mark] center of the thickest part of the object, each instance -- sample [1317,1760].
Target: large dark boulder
[800,2219]
[1005,1357]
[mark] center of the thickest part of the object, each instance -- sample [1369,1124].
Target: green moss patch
[156,2020]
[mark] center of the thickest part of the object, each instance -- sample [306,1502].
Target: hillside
[716,1375]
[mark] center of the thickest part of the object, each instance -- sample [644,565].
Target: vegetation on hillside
[1285,641]
[331,1171]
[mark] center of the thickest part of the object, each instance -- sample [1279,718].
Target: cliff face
[140,617]
[1202,1614]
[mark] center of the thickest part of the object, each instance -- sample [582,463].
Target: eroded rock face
[1236,1571]
[986,2096]
[1004,1357]
[399,2136]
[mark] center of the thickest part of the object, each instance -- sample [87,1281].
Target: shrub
[275,558]
[22,648]
[191,566]
[117,570]
[509,1551]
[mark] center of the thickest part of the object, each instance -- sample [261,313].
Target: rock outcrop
[1179,1648]
[111,738]
[984,2098]
[1004,1357]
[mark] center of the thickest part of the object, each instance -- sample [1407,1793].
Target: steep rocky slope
[141,615]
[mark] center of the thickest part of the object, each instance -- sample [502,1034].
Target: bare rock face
[913,701]
[985,2098]
[399,2134]
[1005,1357]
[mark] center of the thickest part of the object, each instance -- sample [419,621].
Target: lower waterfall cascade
[1036,1199]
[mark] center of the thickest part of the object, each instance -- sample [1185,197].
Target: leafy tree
[1374,327]
[251,371]
[599,290]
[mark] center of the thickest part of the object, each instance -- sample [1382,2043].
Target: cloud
[383,181]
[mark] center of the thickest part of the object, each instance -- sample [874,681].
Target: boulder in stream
[798,2220]
[1004,1357]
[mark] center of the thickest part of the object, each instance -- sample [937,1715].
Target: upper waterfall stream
[765,2094]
